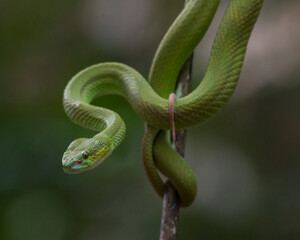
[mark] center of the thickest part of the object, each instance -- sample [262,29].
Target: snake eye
[85,155]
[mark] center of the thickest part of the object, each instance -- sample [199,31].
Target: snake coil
[149,99]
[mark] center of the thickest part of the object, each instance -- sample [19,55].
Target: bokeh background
[246,159]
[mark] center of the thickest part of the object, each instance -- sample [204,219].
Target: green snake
[150,99]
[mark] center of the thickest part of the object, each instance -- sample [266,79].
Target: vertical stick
[171,201]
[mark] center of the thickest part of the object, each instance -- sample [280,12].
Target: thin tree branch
[171,201]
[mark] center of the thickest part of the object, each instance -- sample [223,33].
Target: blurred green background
[246,159]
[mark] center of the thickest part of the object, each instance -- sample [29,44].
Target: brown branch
[171,201]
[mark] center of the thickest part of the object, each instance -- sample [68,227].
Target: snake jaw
[73,165]
[78,166]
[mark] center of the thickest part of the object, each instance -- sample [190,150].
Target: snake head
[84,154]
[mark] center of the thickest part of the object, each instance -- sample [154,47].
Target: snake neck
[108,123]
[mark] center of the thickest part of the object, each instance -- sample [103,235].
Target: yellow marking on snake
[97,154]
[100,151]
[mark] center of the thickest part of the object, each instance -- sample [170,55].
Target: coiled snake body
[149,99]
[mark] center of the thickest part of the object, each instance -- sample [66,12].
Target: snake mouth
[75,168]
